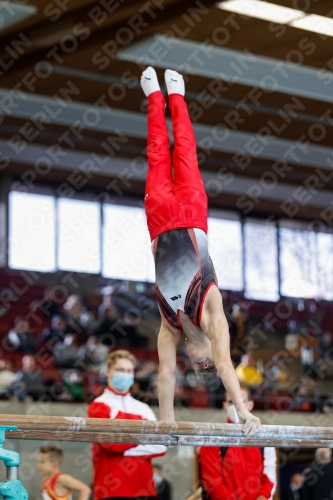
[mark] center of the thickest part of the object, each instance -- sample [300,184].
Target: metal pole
[11,473]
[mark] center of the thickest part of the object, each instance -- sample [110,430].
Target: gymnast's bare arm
[167,351]
[214,324]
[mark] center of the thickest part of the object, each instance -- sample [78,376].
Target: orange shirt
[49,489]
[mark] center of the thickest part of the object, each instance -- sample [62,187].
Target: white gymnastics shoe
[149,81]
[174,82]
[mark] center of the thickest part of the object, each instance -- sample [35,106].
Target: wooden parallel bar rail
[168,440]
[151,432]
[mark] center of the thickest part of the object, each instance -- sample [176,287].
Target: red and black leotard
[176,210]
[184,274]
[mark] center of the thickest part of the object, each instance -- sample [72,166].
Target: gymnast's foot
[149,82]
[174,82]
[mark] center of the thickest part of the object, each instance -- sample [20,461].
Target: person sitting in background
[237,473]
[307,358]
[163,487]
[66,352]
[48,305]
[323,456]
[247,373]
[307,394]
[318,482]
[137,393]
[276,375]
[147,377]
[238,318]
[113,461]
[56,332]
[113,331]
[20,337]
[107,327]
[78,315]
[7,378]
[93,354]
[107,308]
[29,380]
[74,384]
[145,372]
[56,484]
[293,490]
[325,342]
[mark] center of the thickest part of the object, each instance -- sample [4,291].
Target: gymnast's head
[49,459]
[201,356]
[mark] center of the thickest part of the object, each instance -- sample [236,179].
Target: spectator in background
[113,461]
[323,456]
[325,342]
[293,490]
[247,372]
[29,380]
[107,308]
[137,393]
[163,487]
[112,331]
[93,354]
[56,332]
[307,358]
[66,352]
[74,384]
[276,375]
[238,473]
[307,394]
[49,306]
[78,316]
[21,338]
[239,322]
[318,483]
[152,390]
[145,372]
[106,327]
[7,378]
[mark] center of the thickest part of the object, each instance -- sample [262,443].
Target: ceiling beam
[13,13]
[136,170]
[104,29]
[234,66]
[95,76]
[131,124]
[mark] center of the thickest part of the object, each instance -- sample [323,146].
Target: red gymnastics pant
[179,200]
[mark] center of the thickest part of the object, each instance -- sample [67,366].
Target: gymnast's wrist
[167,417]
[241,407]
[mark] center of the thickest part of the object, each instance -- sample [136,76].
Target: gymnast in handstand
[186,287]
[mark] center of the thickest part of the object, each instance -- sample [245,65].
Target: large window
[306,260]
[46,234]
[126,245]
[225,248]
[324,251]
[261,260]
[297,260]
[31,228]
[79,227]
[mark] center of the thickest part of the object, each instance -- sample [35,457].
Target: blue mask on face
[122,381]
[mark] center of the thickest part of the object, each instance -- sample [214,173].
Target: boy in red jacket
[122,471]
[236,473]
